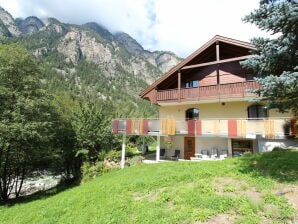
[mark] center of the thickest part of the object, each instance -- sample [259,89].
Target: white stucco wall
[200,144]
[214,110]
[205,143]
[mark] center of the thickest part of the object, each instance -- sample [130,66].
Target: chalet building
[206,110]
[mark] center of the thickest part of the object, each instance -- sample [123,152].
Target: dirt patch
[151,196]
[233,187]
[253,195]
[221,219]
[223,183]
[171,205]
[291,193]
[191,184]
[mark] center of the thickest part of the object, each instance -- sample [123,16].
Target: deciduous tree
[26,127]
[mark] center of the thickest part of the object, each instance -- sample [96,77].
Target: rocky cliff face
[115,54]
[8,26]
[29,25]
[129,43]
[160,59]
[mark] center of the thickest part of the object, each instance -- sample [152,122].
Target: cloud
[177,26]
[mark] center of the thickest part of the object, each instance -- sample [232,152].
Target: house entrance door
[189,147]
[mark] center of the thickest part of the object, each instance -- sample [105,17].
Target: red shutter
[145,127]
[115,124]
[293,127]
[191,127]
[128,126]
[198,127]
[232,128]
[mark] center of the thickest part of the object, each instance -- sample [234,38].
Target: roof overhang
[183,64]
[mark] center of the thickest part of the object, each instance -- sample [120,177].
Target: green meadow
[259,188]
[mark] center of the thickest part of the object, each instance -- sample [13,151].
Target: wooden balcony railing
[222,91]
[235,128]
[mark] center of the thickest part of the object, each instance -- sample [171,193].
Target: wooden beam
[217,59]
[217,51]
[217,62]
[179,85]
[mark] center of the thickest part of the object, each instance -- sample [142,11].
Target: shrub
[135,160]
[90,171]
[113,155]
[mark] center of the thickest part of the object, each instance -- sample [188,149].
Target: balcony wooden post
[155,96]
[179,86]
[217,69]
[217,60]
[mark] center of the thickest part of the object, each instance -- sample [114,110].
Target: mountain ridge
[90,60]
[33,24]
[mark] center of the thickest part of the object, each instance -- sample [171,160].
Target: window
[192,113]
[241,146]
[192,84]
[257,111]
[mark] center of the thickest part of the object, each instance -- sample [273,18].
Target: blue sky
[177,26]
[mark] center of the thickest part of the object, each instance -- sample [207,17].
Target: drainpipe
[158,148]
[123,151]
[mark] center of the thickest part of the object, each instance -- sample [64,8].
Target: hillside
[88,60]
[259,188]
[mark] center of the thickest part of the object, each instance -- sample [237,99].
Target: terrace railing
[222,91]
[237,128]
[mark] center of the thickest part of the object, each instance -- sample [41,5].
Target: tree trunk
[19,188]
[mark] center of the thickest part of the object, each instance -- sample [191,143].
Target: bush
[135,160]
[115,155]
[90,171]
[131,151]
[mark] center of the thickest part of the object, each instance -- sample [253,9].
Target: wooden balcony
[275,128]
[223,91]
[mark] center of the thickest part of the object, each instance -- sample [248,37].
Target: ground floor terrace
[209,138]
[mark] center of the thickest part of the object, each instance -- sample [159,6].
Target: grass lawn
[260,188]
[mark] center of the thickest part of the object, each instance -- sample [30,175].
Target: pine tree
[276,60]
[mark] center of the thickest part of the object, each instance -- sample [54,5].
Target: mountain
[8,26]
[29,25]
[89,60]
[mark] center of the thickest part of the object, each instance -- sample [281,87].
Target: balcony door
[189,147]
[192,113]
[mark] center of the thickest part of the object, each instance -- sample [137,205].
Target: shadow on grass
[41,194]
[281,165]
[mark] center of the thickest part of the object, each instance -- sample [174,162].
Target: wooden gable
[203,65]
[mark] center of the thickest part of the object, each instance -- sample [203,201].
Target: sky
[169,25]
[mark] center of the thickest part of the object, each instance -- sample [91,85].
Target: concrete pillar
[123,151]
[158,148]
[230,147]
